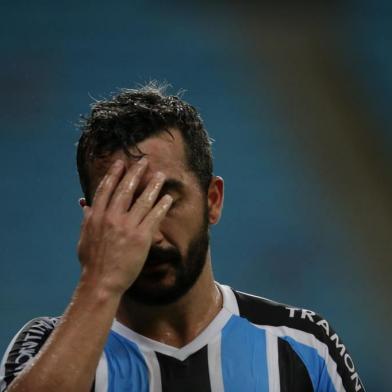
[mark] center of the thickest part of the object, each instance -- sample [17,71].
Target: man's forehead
[164,152]
[166,148]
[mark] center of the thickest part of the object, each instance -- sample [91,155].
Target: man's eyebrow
[172,184]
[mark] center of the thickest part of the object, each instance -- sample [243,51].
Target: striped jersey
[253,344]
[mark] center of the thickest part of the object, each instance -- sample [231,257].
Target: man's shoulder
[24,346]
[303,331]
[283,319]
[266,312]
[37,330]
[260,310]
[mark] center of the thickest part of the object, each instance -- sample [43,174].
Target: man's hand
[117,230]
[116,237]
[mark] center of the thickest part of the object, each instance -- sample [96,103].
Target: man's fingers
[156,215]
[106,187]
[123,195]
[147,199]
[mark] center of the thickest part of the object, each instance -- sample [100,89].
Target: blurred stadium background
[296,95]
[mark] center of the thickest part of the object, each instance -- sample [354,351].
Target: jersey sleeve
[327,359]
[23,347]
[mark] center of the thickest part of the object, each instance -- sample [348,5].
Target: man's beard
[147,288]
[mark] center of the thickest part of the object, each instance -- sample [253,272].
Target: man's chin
[157,296]
[159,280]
[158,289]
[153,272]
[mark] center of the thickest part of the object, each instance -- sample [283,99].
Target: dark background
[296,95]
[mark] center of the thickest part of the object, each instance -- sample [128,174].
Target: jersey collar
[211,332]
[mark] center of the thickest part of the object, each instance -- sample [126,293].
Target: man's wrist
[98,290]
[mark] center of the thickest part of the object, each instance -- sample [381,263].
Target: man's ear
[215,199]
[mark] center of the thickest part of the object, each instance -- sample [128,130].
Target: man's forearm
[68,360]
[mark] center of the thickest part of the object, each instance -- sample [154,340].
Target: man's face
[179,249]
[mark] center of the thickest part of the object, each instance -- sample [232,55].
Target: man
[147,314]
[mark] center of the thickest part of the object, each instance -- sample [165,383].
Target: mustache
[158,255]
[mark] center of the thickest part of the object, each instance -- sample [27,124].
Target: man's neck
[179,323]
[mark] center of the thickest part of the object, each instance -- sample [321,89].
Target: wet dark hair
[133,115]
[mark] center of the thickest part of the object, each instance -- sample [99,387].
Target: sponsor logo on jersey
[333,337]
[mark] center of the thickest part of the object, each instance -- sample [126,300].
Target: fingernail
[168,199]
[118,163]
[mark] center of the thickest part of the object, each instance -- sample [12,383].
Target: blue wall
[281,236]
